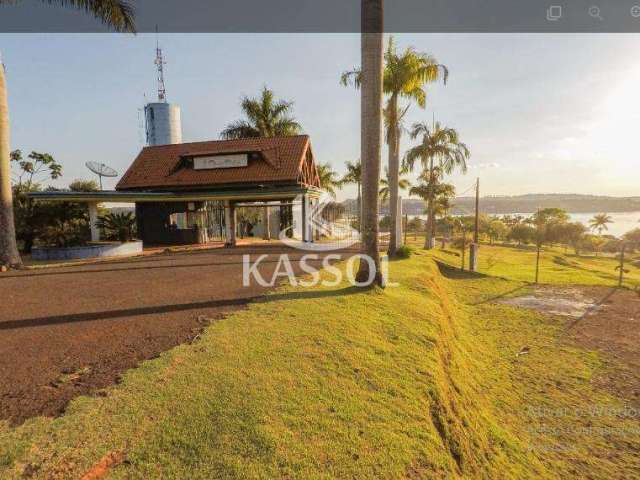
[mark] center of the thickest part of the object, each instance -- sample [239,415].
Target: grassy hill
[416,381]
[557,265]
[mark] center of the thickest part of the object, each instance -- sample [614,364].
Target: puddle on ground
[565,301]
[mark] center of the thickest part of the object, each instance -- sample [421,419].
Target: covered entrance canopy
[175,187]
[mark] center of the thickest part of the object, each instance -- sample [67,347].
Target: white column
[310,212]
[93,220]
[399,239]
[266,224]
[305,209]
[230,223]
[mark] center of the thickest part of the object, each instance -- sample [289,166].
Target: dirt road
[72,330]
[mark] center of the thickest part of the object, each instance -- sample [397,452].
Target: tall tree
[118,15]
[443,193]
[354,176]
[371,49]
[28,218]
[405,75]
[266,117]
[328,179]
[441,152]
[546,221]
[600,222]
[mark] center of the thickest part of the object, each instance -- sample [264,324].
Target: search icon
[594,12]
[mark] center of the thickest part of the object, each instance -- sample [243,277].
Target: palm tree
[371,48]
[405,76]
[403,184]
[442,145]
[266,117]
[442,195]
[354,176]
[599,222]
[328,179]
[117,14]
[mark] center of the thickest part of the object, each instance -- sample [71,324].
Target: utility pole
[477,224]
[473,250]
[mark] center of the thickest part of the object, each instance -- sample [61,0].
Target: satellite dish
[101,170]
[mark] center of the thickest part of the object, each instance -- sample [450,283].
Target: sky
[540,113]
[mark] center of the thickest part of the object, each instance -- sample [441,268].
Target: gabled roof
[280,160]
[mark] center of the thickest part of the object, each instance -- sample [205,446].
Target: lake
[622,221]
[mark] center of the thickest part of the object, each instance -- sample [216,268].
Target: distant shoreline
[529,203]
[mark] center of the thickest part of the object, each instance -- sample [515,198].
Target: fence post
[621,267]
[464,247]
[537,262]
[406,226]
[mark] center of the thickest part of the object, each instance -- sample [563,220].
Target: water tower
[162,119]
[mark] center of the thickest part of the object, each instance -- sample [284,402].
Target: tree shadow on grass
[454,273]
[172,308]
[449,271]
[501,295]
[311,294]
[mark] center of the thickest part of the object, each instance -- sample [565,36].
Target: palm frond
[265,117]
[351,77]
[239,129]
[117,14]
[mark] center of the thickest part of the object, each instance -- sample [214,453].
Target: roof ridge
[226,140]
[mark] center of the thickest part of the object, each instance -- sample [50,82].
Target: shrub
[403,252]
[118,225]
[65,233]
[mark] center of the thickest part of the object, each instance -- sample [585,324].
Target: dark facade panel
[154,227]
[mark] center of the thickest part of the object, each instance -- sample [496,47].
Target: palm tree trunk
[428,239]
[394,173]
[371,136]
[8,248]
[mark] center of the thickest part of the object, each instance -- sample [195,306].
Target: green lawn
[417,381]
[557,266]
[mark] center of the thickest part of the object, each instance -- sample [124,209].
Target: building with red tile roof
[228,164]
[188,193]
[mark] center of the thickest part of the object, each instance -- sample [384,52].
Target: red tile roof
[278,160]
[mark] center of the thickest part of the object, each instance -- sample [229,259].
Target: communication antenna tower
[162,93]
